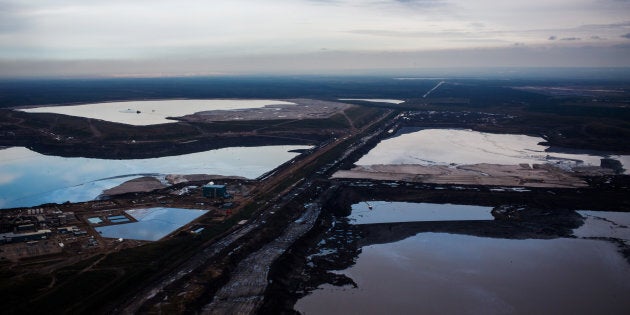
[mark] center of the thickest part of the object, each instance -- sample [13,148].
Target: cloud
[609,26]
[395,33]
[7,178]
[121,30]
[11,18]
[595,37]
[329,62]
[626,35]
[422,2]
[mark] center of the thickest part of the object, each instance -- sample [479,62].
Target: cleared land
[142,184]
[540,175]
[304,108]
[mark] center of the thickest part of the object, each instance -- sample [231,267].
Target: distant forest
[459,94]
[68,91]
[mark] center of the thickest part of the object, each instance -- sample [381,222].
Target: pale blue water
[464,147]
[153,223]
[28,178]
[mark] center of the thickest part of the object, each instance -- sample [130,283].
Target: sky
[194,37]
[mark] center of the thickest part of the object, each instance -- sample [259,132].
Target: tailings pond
[28,178]
[444,273]
[464,147]
[141,113]
[153,223]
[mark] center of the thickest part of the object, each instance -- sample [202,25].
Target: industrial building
[22,237]
[215,191]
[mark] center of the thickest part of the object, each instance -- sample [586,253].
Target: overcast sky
[188,37]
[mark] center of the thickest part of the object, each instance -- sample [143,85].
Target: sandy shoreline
[148,183]
[142,184]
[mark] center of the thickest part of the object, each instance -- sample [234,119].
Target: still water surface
[142,113]
[153,223]
[392,212]
[28,178]
[463,147]
[604,224]
[441,273]
[438,273]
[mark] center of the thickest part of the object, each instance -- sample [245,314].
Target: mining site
[508,195]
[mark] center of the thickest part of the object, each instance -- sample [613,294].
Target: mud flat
[540,175]
[297,109]
[142,184]
[142,113]
[179,178]
[605,224]
[486,275]
[152,223]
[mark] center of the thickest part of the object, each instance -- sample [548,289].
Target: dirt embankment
[540,175]
[304,109]
[142,184]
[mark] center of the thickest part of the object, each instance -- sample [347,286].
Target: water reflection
[28,178]
[375,100]
[390,212]
[606,224]
[153,223]
[463,147]
[151,112]
[438,273]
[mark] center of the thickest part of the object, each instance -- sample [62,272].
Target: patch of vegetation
[74,292]
[74,91]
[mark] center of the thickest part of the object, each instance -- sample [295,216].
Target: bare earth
[177,178]
[304,109]
[148,183]
[142,184]
[540,175]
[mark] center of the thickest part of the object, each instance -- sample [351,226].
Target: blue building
[23,237]
[215,191]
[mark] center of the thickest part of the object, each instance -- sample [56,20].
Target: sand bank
[523,175]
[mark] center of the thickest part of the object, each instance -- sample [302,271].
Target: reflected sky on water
[142,113]
[438,273]
[463,147]
[153,223]
[28,178]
